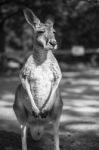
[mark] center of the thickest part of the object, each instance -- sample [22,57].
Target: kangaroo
[37,99]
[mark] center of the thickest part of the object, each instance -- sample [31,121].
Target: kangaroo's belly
[40,80]
[40,90]
[40,84]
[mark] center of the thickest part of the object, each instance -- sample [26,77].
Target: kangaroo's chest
[42,73]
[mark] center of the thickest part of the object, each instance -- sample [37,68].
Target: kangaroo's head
[43,33]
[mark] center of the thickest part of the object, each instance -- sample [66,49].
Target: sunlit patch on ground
[81,101]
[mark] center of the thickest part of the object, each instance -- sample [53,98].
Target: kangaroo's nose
[53,43]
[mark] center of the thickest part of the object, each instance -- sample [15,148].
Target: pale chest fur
[40,80]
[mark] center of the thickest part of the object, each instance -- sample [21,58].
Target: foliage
[73,18]
[76,23]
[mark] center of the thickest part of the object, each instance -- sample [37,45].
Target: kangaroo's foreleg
[26,85]
[55,84]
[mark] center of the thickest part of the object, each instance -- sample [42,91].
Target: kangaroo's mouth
[47,46]
[53,47]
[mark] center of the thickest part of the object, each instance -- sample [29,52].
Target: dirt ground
[79,124]
[73,141]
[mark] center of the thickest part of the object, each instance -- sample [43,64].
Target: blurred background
[76,24]
[77,33]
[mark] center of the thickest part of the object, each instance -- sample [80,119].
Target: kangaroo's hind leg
[23,137]
[56,114]
[21,115]
[56,134]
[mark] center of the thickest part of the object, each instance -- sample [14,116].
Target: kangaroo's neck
[39,55]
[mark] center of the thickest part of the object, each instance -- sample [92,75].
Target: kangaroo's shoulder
[29,61]
[54,65]
[28,65]
[52,58]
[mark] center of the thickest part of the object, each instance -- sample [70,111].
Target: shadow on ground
[70,141]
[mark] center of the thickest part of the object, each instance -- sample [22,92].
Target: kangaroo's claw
[44,114]
[34,114]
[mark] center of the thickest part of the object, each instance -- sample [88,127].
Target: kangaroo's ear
[31,18]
